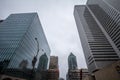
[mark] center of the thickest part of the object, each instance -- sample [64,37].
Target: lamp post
[35,57]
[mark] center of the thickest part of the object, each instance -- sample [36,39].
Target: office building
[98,50]
[83,73]
[43,62]
[73,71]
[72,62]
[53,71]
[53,62]
[22,42]
[42,68]
[107,15]
[52,74]
[77,74]
[73,74]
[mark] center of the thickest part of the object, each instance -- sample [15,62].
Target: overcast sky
[58,22]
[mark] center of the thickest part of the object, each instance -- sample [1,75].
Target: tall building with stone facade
[98,47]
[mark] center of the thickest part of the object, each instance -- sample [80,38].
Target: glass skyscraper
[98,27]
[17,42]
[73,71]
[72,63]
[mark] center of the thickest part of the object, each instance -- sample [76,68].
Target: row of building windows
[98,43]
[109,17]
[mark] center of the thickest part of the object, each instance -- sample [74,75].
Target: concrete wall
[89,77]
[111,72]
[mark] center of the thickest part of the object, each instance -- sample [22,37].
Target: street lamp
[35,57]
[37,47]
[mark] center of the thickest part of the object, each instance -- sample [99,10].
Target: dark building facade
[98,47]
[73,71]
[43,62]
[61,78]
[72,62]
[77,74]
[18,45]
[83,73]
[73,75]
[52,74]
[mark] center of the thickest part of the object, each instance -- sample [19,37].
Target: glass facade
[17,41]
[43,63]
[97,48]
[72,63]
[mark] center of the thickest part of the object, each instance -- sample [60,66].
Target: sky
[58,23]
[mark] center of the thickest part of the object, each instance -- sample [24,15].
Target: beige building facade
[111,72]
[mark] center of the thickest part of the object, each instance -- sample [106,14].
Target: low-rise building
[53,71]
[73,75]
[52,74]
[83,73]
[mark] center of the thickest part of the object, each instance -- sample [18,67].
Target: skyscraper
[72,63]
[22,42]
[107,15]
[43,62]
[97,46]
[73,71]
